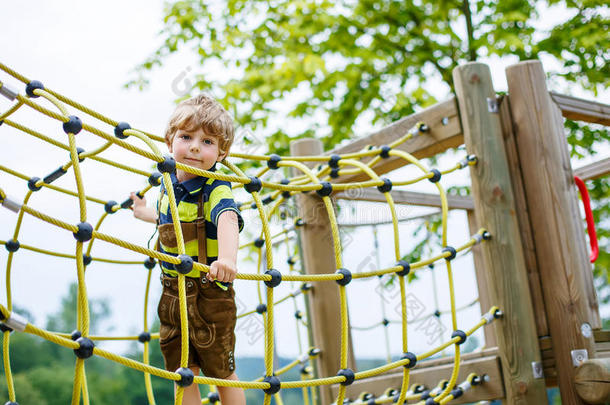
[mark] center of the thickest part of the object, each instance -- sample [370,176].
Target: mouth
[192,160]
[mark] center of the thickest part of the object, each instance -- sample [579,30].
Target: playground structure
[535,267]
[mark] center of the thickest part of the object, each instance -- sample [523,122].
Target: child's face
[195,148]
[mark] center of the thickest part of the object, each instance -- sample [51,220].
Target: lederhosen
[211,309]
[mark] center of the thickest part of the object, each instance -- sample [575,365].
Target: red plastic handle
[584,194]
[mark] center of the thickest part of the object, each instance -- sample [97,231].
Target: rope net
[318,180]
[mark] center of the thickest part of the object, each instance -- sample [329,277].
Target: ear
[221,156]
[169,146]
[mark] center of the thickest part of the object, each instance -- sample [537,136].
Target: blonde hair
[203,112]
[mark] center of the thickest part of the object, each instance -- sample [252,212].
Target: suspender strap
[202,256]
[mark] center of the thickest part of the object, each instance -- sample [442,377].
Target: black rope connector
[150,263]
[305,370]
[298,315]
[73,126]
[451,250]
[108,207]
[84,233]
[186,376]
[213,397]
[78,152]
[55,175]
[476,380]
[386,187]
[267,200]
[299,222]
[498,313]
[119,130]
[486,235]
[412,359]
[87,259]
[406,267]
[273,161]
[85,349]
[349,375]
[75,335]
[254,185]
[253,206]
[291,261]
[32,184]
[155,179]
[276,278]
[259,242]
[437,313]
[12,245]
[274,385]
[472,158]
[385,322]
[4,328]
[461,334]
[129,202]
[168,165]
[333,162]
[457,392]
[286,194]
[144,337]
[385,151]
[425,395]
[306,287]
[261,308]
[314,351]
[347,276]
[431,401]
[326,189]
[186,264]
[334,172]
[436,176]
[31,86]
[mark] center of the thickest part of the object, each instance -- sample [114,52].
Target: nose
[194,147]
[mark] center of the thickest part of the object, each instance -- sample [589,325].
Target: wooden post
[319,258]
[559,238]
[483,284]
[495,210]
[592,381]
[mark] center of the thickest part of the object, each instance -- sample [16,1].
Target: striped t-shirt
[217,198]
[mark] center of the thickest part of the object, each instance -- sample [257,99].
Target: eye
[208,141]
[185,136]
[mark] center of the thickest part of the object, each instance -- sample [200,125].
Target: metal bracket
[8,92]
[586,330]
[16,322]
[537,369]
[492,105]
[579,356]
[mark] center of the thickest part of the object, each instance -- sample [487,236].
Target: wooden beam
[429,373]
[559,237]
[319,258]
[407,197]
[594,170]
[578,109]
[445,133]
[592,381]
[529,249]
[495,210]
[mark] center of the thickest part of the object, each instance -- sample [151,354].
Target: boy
[199,134]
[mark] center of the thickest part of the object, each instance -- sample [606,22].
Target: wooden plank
[445,133]
[594,170]
[529,249]
[495,209]
[578,109]
[430,374]
[592,381]
[407,197]
[601,335]
[319,258]
[483,283]
[559,237]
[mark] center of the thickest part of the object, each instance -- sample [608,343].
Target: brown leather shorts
[211,321]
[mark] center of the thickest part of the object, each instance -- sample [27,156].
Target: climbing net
[316,180]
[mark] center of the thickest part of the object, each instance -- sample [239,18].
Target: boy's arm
[225,268]
[141,211]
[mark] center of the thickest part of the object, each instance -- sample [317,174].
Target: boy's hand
[222,270]
[141,211]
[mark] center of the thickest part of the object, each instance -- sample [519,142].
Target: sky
[86,51]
